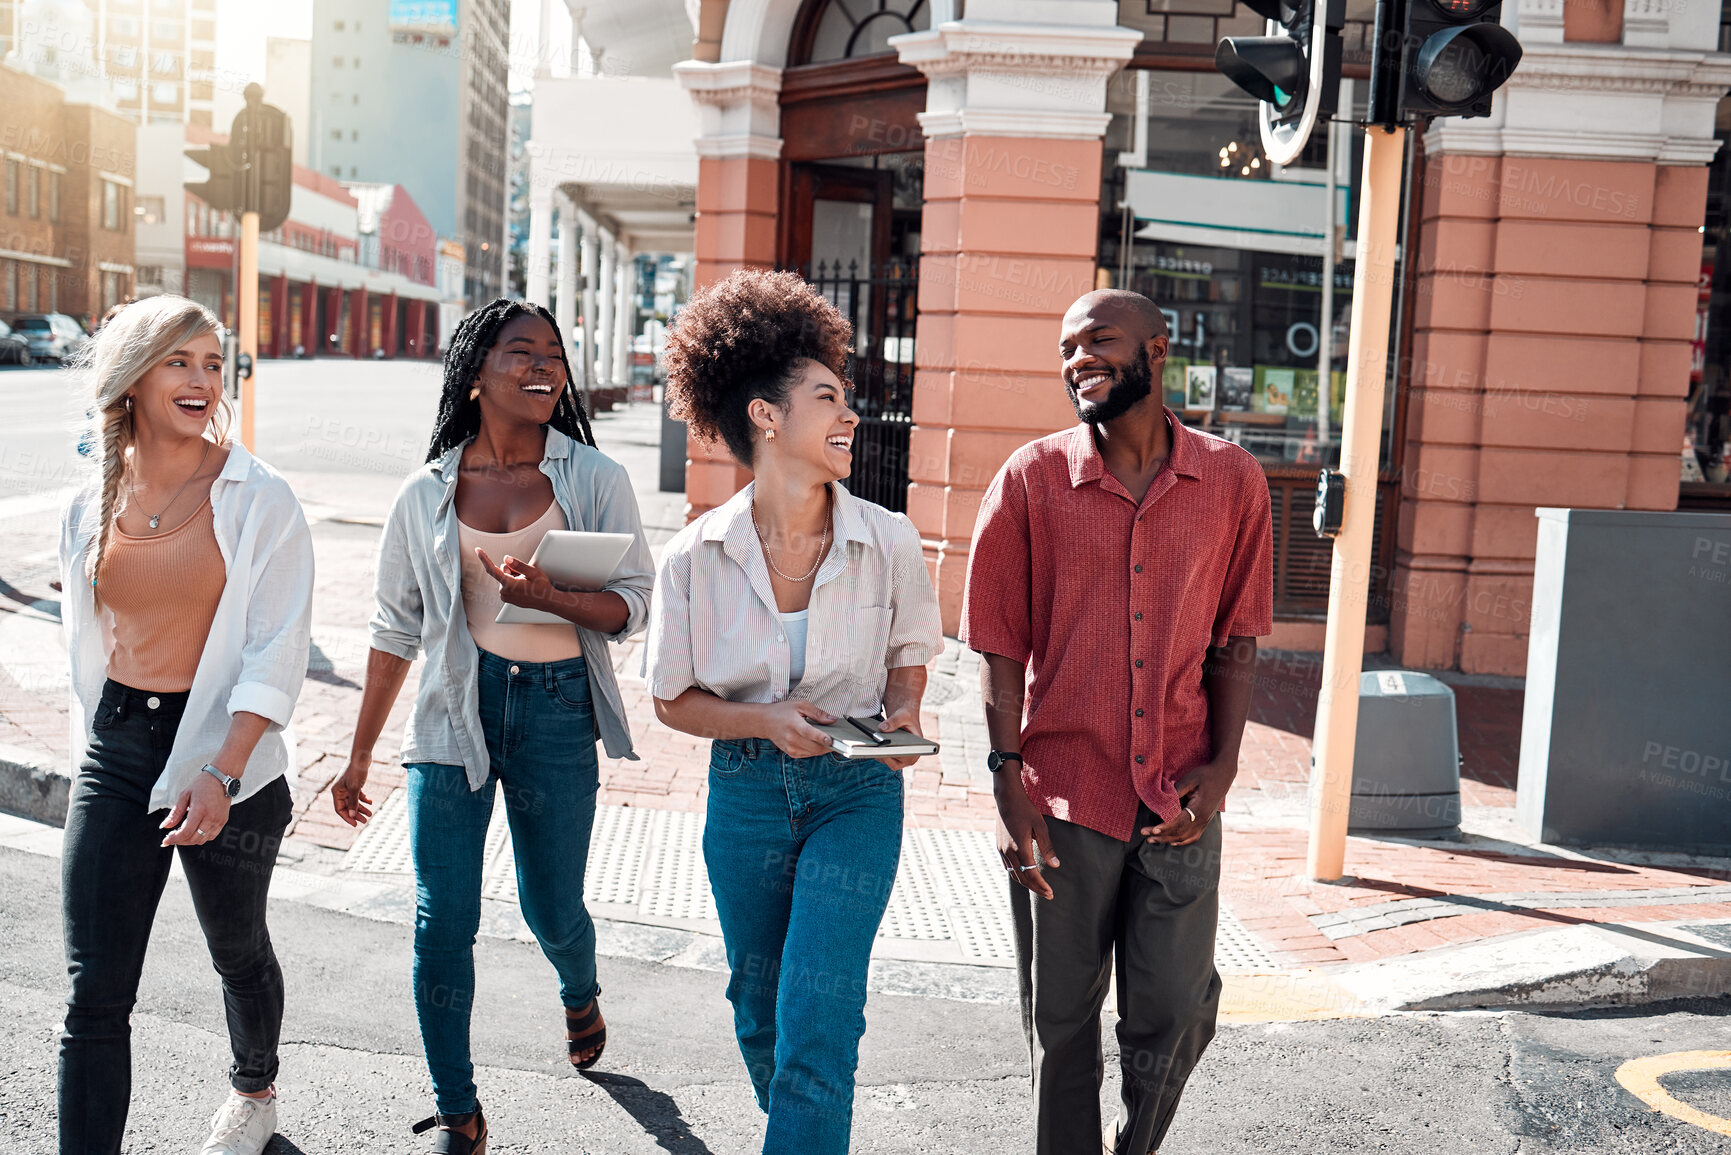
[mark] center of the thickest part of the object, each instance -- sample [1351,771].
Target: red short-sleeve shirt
[1112,605]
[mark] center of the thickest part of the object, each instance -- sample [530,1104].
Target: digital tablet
[576,560]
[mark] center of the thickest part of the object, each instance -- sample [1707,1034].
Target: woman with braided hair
[188,576]
[520,704]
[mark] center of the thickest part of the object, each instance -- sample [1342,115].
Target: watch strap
[230,786]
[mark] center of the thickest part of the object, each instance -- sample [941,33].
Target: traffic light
[1454,55]
[259,144]
[1293,71]
[222,190]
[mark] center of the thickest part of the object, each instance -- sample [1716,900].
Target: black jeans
[112,875]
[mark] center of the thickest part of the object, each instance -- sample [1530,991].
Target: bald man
[1120,575]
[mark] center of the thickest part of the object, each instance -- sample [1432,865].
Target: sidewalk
[1490,918]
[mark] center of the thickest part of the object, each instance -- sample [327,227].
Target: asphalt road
[935,1076]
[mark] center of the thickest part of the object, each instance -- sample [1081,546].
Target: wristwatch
[230,786]
[996,759]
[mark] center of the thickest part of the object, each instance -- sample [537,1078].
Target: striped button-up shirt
[1113,604]
[714,624]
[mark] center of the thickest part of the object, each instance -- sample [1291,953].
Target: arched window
[843,29]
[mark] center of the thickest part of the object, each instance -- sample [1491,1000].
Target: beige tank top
[518,642]
[162,591]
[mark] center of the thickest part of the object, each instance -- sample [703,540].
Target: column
[1559,248]
[311,339]
[565,298]
[591,276]
[625,316]
[279,315]
[360,323]
[540,237]
[388,330]
[604,314]
[738,156]
[1009,232]
[417,322]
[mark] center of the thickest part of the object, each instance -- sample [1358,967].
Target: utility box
[1626,730]
[1406,764]
[672,451]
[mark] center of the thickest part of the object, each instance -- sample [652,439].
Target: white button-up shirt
[255,657]
[714,624]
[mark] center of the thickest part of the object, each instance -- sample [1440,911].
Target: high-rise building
[152,61]
[287,75]
[414,92]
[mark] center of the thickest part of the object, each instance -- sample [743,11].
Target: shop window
[842,29]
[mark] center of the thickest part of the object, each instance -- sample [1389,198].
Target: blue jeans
[540,730]
[802,854]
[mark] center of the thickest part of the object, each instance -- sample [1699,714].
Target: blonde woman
[188,572]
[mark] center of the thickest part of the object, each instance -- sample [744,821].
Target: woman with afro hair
[794,603]
[512,702]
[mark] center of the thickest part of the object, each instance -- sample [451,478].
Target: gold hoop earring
[769,435]
[474,392]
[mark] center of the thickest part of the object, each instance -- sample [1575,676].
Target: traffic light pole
[247,295]
[1361,439]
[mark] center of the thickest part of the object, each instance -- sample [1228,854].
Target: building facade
[152,62]
[958,179]
[67,174]
[417,93]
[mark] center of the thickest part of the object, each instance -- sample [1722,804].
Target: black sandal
[455,1142]
[576,1023]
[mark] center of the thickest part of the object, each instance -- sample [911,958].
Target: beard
[1131,384]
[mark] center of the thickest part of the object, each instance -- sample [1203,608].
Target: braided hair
[459,414]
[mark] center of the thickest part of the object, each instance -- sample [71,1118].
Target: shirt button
[515,670]
[781,637]
[1138,663]
[1140,759]
[778,695]
[1138,713]
[1138,617]
[153,701]
[1138,569]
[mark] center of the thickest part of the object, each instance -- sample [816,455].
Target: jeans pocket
[725,759]
[107,714]
[572,691]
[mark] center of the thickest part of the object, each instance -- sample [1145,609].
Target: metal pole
[1349,577]
[1330,242]
[248,321]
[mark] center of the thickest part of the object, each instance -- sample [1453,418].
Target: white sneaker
[241,1126]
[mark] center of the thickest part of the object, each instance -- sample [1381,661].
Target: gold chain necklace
[822,546]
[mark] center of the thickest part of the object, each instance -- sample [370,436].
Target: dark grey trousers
[1154,908]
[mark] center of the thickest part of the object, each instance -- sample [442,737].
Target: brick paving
[1263,879]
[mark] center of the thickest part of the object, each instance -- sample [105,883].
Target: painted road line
[1641,1078]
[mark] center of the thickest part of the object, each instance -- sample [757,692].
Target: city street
[937,1074]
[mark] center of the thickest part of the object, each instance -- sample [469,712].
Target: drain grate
[675,883]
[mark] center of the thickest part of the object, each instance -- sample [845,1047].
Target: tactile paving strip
[675,882]
[950,887]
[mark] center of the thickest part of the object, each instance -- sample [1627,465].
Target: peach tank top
[519,642]
[162,591]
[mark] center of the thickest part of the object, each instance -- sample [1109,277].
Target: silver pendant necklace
[156,518]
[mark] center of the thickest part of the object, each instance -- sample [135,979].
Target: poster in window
[1237,385]
[1274,394]
[1199,387]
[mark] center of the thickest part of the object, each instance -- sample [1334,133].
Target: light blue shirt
[419,593]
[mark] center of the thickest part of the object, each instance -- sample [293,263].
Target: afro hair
[744,338]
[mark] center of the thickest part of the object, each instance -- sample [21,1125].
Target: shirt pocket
[854,646]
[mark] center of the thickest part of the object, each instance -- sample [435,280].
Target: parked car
[14,348]
[52,336]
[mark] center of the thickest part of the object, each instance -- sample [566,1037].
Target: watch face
[233,787]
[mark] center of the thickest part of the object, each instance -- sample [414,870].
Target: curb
[32,790]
